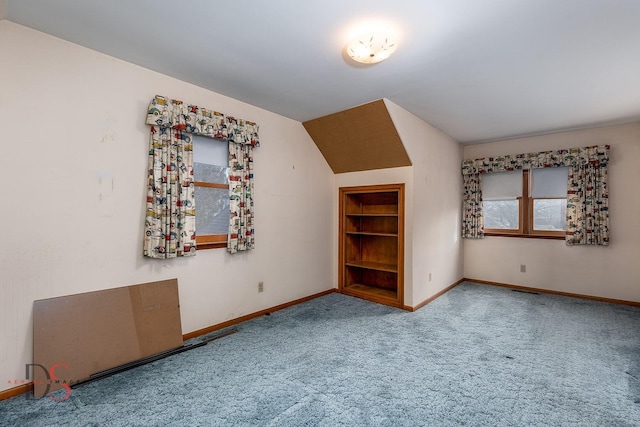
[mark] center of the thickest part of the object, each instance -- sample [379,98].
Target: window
[210,170]
[501,200]
[549,199]
[526,203]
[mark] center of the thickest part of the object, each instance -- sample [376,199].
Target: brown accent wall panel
[358,139]
[79,335]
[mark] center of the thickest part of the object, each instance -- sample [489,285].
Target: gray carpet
[477,356]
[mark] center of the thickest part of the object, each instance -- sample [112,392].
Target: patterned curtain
[170,223]
[170,218]
[472,217]
[587,191]
[588,201]
[241,233]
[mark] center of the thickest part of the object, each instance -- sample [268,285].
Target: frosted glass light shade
[371,48]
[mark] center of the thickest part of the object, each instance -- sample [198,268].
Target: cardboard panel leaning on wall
[88,333]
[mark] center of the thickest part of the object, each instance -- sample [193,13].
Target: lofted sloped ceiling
[358,139]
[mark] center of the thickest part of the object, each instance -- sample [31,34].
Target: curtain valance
[172,113]
[597,155]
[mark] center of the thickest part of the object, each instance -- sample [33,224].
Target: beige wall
[435,237]
[74,147]
[609,272]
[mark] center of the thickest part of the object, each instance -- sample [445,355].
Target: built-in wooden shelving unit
[372,243]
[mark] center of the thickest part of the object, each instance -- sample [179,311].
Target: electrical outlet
[260,286]
[429,276]
[523,268]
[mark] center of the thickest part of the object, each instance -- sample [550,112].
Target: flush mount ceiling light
[371,48]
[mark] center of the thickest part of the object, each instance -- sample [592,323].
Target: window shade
[549,183]
[502,185]
[209,150]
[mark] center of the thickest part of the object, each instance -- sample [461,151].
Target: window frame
[210,241]
[525,217]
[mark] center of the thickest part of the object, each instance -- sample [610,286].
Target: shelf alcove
[372,243]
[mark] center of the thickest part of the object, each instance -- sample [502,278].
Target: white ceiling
[476,69]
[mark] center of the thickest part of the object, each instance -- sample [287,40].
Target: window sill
[211,241]
[203,246]
[527,236]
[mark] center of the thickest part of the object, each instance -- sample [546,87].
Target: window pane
[210,173]
[550,214]
[212,210]
[502,214]
[501,185]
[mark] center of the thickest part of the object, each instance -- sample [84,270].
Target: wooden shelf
[371,265]
[373,215]
[358,289]
[372,243]
[370,233]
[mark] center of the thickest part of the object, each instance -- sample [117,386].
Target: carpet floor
[477,356]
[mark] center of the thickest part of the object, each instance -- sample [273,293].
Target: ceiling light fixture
[371,48]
